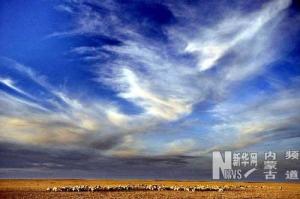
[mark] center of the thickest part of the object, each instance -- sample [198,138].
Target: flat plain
[36,188]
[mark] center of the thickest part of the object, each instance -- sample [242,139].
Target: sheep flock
[85,188]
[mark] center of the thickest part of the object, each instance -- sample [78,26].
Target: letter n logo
[219,163]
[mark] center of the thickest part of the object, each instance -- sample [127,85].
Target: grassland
[37,189]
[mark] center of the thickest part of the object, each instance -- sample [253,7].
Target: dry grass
[36,189]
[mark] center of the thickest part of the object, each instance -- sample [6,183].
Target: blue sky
[158,83]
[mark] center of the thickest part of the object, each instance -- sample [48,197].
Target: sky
[144,89]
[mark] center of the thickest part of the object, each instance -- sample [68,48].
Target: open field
[37,189]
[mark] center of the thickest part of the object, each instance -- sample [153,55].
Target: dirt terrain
[37,189]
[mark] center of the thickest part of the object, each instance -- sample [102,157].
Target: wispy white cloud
[8,82]
[136,90]
[215,42]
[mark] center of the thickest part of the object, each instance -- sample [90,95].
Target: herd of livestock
[84,188]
